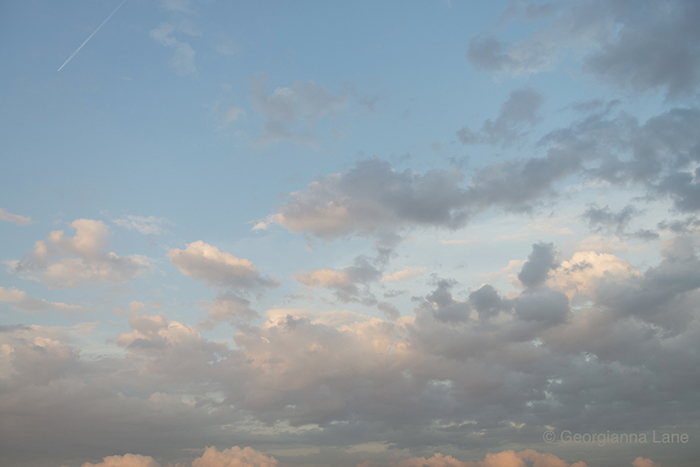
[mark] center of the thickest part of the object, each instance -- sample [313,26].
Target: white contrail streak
[90,37]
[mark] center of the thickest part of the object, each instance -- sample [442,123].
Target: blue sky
[359,233]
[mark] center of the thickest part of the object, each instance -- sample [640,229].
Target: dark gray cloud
[631,45]
[657,46]
[605,220]
[486,301]
[538,264]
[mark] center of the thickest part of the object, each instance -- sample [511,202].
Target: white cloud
[206,262]
[234,457]
[72,262]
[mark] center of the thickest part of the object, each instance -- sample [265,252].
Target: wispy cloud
[14,218]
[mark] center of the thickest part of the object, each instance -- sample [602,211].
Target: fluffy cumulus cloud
[127,460]
[462,367]
[62,262]
[234,457]
[586,334]
[632,46]
[218,268]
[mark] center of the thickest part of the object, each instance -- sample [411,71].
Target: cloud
[507,458]
[217,268]
[642,462]
[85,261]
[600,219]
[640,47]
[23,302]
[517,114]
[603,217]
[234,457]
[403,275]
[150,225]
[183,59]
[291,113]
[538,264]
[14,218]
[127,460]
[429,378]
[230,115]
[351,283]
[372,198]
[326,277]
[587,271]
[228,307]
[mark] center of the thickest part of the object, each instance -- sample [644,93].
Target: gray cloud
[228,307]
[604,219]
[517,115]
[352,283]
[291,113]
[372,199]
[437,377]
[538,264]
[633,46]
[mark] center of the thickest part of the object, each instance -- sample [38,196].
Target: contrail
[90,37]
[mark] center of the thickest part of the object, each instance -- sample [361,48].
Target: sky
[355,234]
